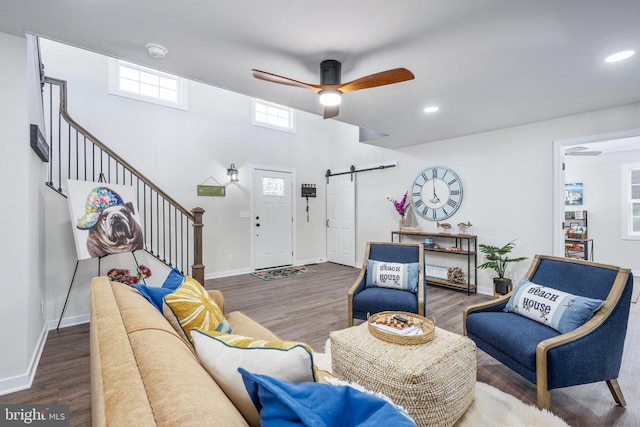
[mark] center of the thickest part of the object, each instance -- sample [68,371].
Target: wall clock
[436,193]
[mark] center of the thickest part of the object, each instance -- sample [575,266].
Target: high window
[273,116]
[146,84]
[630,201]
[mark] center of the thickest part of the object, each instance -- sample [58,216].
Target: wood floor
[308,308]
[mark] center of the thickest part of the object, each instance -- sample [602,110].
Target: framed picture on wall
[573,193]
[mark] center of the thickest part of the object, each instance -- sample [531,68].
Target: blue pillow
[155,294]
[559,310]
[284,404]
[393,275]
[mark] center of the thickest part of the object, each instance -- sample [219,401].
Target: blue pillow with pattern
[393,275]
[559,310]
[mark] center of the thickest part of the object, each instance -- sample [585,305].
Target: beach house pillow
[393,275]
[282,403]
[222,354]
[560,310]
[156,294]
[190,306]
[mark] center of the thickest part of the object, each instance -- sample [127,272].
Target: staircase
[172,234]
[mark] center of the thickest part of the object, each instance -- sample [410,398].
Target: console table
[466,245]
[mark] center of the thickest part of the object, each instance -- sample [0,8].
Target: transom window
[631,201]
[146,84]
[273,116]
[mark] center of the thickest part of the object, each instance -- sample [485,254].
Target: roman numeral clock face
[436,193]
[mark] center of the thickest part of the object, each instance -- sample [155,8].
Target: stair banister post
[197,269]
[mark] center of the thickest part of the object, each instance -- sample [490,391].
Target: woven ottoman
[434,382]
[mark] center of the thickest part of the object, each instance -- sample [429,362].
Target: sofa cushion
[393,275]
[190,306]
[155,294]
[560,310]
[283,403]
[222,354]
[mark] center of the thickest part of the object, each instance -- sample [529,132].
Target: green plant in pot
[497,260]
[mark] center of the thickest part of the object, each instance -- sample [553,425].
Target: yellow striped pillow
[222,354]
[190,306]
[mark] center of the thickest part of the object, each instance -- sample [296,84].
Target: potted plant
[497,260]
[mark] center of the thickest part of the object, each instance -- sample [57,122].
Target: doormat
[281,273]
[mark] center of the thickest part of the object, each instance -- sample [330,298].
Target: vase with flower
[401,206]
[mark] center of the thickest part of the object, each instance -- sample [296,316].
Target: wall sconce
[233,173]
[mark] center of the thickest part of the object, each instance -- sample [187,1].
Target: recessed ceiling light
[619,56]
[431,109]
[156,50]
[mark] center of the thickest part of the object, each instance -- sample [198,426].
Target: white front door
[272,219]
[341,214]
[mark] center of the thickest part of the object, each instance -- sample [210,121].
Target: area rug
[490,408]
[281,273]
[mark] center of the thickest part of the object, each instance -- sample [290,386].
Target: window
[631,201]
[273,116]
[272,186]
[146,84]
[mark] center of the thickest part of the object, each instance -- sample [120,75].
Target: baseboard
[229,273]
[24,381]
[69,321]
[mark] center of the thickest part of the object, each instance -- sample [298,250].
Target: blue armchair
[363,299]
[550,359]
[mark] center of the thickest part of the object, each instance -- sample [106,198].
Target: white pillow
[222,354]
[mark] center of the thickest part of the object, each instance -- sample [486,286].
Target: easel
[74,276]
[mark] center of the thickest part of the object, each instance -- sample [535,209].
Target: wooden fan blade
[332,111]
[388,77]
[274,78]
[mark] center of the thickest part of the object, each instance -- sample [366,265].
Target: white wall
[178,150]
[602,201]
[22,220]
[507,177]
[507,174]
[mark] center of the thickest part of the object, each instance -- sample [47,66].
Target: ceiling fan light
[619,56]
[330,97]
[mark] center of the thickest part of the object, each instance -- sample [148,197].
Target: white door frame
[558,178]
[252,209]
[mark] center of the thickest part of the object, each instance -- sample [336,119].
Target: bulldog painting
[106,222]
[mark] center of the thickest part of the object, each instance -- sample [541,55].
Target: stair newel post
[197,269]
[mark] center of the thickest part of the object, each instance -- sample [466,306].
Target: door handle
[257,225]
[327,223]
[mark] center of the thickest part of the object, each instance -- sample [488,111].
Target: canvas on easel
[104,218]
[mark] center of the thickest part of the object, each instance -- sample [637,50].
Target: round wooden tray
[386,317]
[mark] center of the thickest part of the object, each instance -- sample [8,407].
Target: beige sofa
[143,373]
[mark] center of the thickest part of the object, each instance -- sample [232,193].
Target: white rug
[490,408]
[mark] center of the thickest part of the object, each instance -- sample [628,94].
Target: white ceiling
[488,64]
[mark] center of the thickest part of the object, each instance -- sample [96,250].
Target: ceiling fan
[330,89]
[581,151]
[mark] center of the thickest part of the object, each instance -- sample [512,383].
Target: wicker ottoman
[435,382]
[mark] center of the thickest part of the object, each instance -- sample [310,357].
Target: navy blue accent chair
[362,300]
[544,356]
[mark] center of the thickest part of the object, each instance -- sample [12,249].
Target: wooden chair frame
[363,272]
[543,393]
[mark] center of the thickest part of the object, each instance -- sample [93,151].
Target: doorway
[616,141]
[272,222]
